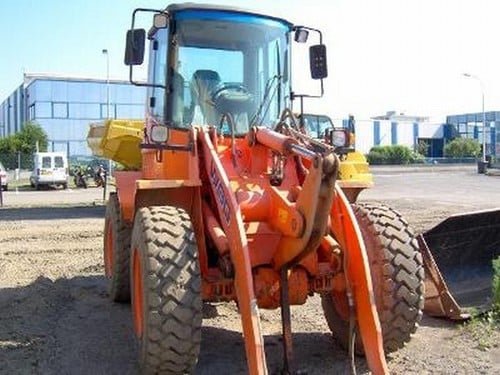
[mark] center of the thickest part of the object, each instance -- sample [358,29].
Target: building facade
[65,106]
[470,125]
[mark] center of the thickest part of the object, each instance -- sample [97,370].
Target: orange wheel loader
[225,202]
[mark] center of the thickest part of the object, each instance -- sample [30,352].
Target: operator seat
[203,85]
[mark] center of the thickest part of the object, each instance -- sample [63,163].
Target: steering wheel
[239,87]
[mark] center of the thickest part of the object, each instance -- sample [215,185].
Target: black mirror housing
[301,35]
[134,49]
[317,61]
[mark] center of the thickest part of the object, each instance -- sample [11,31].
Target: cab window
[46,162]
[59,163]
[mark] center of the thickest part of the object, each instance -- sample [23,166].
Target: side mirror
[134,50]
[317,61]
[301,35]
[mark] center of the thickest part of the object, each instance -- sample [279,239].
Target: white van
[50,168]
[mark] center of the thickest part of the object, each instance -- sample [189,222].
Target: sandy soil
[55,316]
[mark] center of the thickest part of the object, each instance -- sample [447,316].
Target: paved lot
[454,185]
[56,318]
[461,186]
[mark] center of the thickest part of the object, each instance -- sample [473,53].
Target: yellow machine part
[355,171]
[117,140]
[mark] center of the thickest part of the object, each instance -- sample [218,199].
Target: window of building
[60,110]
[104,111]
[43,110]
[31,112]
[131,111]
[88,111]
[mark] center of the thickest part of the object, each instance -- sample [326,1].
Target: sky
[383,55]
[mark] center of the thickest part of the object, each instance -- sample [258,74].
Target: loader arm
[358,279]
[314,200]
[232,223]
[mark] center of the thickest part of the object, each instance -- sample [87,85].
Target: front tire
[397,273]
[117,251]
[166,290]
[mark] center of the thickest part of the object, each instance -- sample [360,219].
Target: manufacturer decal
[219,192]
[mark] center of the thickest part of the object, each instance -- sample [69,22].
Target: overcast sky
[404,55]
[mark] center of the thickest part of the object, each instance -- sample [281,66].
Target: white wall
[365,133]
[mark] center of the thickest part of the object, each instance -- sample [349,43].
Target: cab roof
[173,8]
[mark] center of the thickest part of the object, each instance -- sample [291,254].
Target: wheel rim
[137,307]
[108,252]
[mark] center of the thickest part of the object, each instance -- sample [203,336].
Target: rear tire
[397,272]
[117,251]
[166,290]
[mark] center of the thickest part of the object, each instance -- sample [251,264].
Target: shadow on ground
[70,326]
[52,213]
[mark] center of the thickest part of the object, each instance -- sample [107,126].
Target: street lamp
[110,165]
[105,52]
[484,114]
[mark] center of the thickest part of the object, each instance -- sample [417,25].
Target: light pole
[484,114]
[105,52]
[110,165]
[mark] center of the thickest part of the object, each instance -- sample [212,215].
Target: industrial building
[470,125]
[65,106]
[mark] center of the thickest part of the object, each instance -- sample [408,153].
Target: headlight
[159,134]
[339,138]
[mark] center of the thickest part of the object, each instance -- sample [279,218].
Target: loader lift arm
[318,202]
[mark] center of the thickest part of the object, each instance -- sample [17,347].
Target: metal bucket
[458,255]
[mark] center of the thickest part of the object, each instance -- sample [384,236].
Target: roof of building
[401,116]
[30,77]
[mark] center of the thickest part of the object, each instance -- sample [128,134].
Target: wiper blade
[267,98]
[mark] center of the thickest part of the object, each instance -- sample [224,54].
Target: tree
[22,144]
[462,147]
[28,137]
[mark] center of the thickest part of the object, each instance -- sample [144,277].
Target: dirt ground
[55,316]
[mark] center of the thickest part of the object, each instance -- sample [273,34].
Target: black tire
[397,273]
[164,243]
[119,265]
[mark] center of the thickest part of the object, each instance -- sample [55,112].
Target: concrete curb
[422,168]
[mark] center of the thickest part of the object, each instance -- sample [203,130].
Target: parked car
[50,169]
[4,178]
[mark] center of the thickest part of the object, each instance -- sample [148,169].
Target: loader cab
[207,61]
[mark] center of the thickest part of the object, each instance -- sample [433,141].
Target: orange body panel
[125,187]
[226,188]
[174,165]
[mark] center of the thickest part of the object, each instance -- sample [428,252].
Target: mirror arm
[310,29]
[130,74]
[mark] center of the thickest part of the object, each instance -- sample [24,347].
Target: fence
[13,160]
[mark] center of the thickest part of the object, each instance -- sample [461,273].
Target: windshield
[317,124]
[228,63]
[324,123]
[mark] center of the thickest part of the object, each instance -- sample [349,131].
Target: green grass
[23,184]
[496,285]
[484,327]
